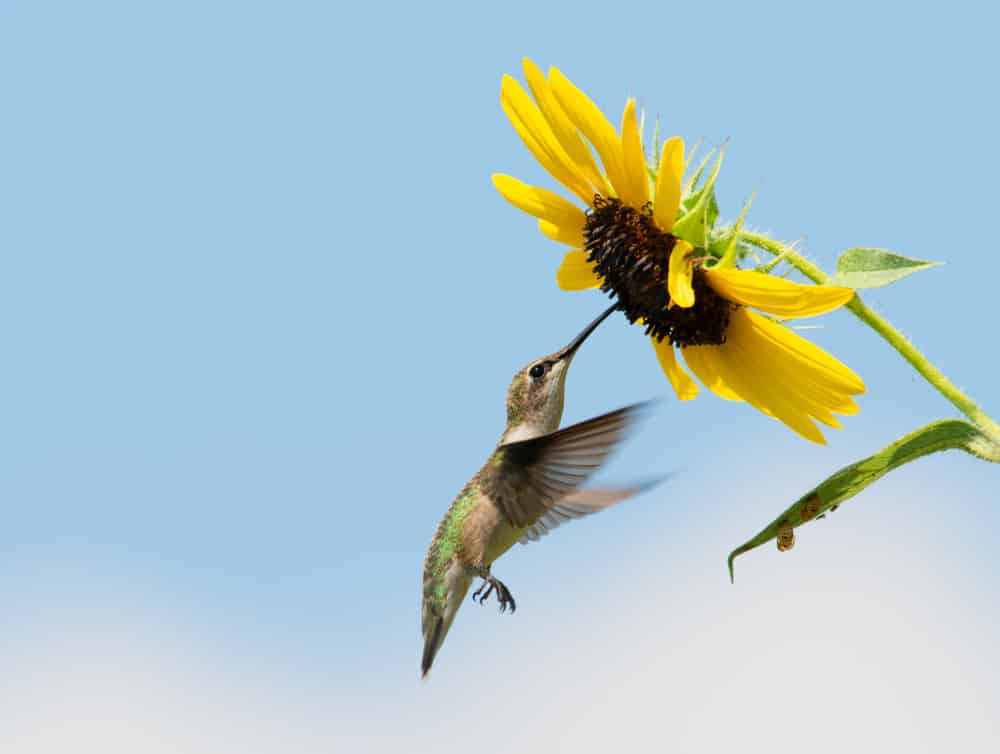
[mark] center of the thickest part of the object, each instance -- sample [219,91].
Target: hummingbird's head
[535,396]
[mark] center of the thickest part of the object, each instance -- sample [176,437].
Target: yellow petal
[636,175]
[804,380]
[747,368]
[761,387]
[781,379]
[846,407]
[571,235]
[667,196]
[796,375]
[591,121]
[576,273]
[537,136]
[776,295]
[798,386]
[538,202]
[772,375]
[683,385]
[823,368]
[563,128]
[700,360]
[828,419]
[679,271]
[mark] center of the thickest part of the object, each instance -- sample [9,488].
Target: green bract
[699,209]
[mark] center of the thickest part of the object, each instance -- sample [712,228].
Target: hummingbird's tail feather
[431,645]
[439,613]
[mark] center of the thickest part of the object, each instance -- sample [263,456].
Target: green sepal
[693,179]
[949,434]
[656,147]
[699,208]
[686,191]
[720,241]
[731,251]
[873,268]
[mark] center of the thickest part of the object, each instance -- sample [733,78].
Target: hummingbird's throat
[632,255]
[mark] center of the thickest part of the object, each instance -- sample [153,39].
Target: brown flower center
[631,255]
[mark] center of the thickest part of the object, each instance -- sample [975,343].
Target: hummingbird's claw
[504,597]
[480,590]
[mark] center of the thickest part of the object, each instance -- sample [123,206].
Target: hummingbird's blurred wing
[528,478]
[582,503]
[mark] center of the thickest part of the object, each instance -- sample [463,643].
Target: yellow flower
[623,244]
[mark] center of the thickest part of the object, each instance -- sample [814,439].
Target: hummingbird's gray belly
[504,537]
[487,535]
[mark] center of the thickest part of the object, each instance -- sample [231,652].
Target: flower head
[642,238]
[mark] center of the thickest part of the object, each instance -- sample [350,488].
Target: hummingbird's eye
[537,371]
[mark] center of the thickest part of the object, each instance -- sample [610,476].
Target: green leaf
[873,268]
[949,434]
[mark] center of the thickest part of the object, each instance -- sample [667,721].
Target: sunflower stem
[881,326]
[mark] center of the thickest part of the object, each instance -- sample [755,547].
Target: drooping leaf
[873,268]
[949,434]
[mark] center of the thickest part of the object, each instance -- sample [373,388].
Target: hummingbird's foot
[504,597]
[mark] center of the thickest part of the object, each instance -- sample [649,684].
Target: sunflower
[638,238]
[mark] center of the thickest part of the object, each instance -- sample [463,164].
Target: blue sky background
[260,304]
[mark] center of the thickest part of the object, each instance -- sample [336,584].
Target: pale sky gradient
[260,305]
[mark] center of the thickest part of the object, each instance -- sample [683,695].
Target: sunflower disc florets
[631,255]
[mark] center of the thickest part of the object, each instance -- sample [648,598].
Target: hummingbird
[527,487]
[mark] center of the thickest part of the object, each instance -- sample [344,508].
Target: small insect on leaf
[811,507]
[786,537]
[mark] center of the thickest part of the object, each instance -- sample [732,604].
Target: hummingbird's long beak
[569,350]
